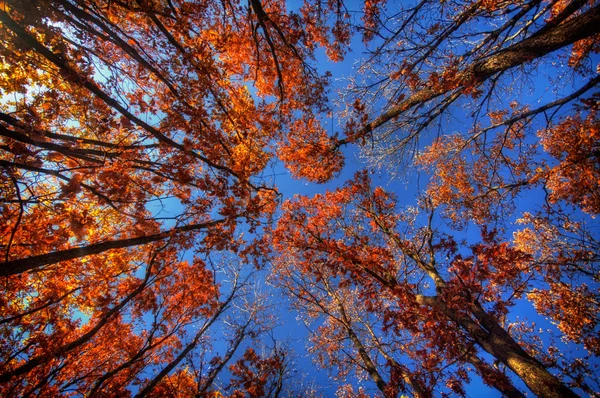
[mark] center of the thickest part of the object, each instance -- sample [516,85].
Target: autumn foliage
[130,137]
[140,215]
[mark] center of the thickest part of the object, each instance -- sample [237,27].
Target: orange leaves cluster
[252,372]
[371,11]
[334,35]
[310,152]
[574,144]
[494,272]
[313,224]
[448,79]
[574,308]
[564,253]
[582,50]
[452,183]
[476,179]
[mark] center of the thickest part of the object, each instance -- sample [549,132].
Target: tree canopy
[146,243]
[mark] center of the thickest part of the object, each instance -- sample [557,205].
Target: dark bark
[71,139]
[30,263]
[493,339]
[53,147]
[212,375]
[549,39]
[499,380]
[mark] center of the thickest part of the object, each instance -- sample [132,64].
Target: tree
[451,298]
[355,335]
[465,71]
[429,58]
[348,338]
[136,139]
[113,114]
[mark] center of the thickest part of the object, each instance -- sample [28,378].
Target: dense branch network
[139,212]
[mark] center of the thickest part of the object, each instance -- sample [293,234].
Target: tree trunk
[492,338]
[499,380]
[27,264]
[362,352]
[545,41]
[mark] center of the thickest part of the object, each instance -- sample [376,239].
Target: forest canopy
[148,238]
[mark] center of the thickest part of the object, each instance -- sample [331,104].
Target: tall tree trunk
[492,338]
[499,380]
[21,265]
